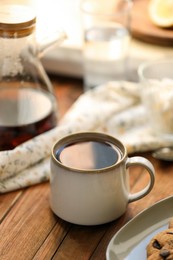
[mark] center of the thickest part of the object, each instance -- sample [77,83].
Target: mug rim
[88,136]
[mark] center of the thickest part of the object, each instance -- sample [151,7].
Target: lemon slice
[161,12]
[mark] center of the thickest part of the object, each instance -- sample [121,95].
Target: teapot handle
[50,41]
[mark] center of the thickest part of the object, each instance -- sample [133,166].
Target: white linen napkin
[114,108]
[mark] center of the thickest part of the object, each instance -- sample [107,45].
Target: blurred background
[66,59]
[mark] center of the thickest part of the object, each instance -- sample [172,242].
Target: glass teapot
[28,106]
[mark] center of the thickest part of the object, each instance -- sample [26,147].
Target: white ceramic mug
[89,182]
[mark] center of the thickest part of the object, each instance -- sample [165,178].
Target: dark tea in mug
[89,154]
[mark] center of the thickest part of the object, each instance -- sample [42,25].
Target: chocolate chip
[156,244]
[169,232]
[164,253]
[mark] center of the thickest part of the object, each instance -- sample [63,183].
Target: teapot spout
[49,42]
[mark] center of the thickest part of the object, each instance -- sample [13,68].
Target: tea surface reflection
[89,155]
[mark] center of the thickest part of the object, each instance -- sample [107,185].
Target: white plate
[131,240]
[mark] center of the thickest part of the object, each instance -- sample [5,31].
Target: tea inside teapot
[28,106]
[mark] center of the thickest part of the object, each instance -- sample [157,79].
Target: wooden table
[29,229]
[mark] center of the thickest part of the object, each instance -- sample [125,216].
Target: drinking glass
[157,95]
[106,37]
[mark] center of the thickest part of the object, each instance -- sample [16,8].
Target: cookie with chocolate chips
[161,245]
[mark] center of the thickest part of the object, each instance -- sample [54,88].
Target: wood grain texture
[143,29]
[7,201]
[30,218]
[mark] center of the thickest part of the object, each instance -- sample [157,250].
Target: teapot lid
[16,21]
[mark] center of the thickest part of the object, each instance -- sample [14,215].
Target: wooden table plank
[28,224]
[7,201]
[80,242]
[112,229]
[53,240]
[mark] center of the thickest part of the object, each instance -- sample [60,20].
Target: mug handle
[138,160]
